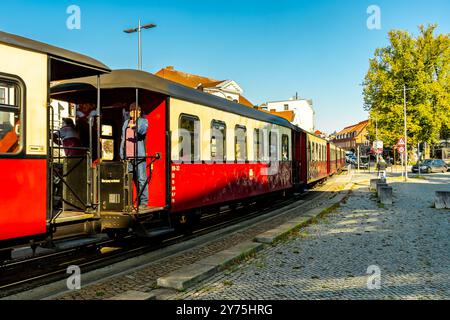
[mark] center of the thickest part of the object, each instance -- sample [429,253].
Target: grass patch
[304,234]
[381,205]
[329,210]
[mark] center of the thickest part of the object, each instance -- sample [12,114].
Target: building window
[285,147]
[2,95]
[259,143]
[189,142]
[286,107]
[10,115]
[218,141]
[273,142]
[240,143]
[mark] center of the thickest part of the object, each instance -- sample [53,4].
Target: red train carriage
[202,150]
[26,69]
[340,158]
[317,158]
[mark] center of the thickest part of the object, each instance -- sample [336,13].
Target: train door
[304,158]
[296,163]
[329,159]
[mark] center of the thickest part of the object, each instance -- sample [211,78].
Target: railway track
[24,275]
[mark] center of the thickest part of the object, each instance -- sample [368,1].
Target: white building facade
[304,114]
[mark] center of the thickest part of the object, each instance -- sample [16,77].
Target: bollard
[379,185]
[442,200]
[385,195]
[373,184]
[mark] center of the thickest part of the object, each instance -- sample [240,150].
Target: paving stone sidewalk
[409,243]
[145,279]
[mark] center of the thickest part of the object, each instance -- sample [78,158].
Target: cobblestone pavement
[144,279]
[409,242]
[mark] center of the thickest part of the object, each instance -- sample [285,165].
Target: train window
[10,113]
[259,143]
[240,143]
[218,140]
[107,143]
[285,147]
[273,142]
[189,142]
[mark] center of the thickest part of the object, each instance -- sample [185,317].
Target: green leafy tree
[422,64]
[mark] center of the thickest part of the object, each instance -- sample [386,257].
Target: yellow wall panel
[207,115]
[31,67]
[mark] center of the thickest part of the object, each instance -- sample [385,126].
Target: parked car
[430,165]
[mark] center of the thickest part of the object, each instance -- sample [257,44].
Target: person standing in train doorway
[134,132]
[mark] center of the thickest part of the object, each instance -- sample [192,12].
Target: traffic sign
[401,142]
[378,144]
[401,149]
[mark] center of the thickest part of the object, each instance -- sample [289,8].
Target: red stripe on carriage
[23,198]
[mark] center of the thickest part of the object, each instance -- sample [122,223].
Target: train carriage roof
[135,79]
[65,64]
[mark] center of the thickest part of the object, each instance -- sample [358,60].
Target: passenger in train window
[69,138]
[132,148]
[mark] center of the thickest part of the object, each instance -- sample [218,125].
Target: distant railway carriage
[202,151]
[317,158]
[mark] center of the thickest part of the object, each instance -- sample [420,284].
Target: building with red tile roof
[227,89]
[353,136]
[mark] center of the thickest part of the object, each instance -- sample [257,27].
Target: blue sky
[273,49]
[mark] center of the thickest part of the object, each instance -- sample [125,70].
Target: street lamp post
[139,30]
[406,133]
[405,128]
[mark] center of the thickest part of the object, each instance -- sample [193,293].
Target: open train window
[240,143]
[189,142]
[218,141]
[285,147]
[259,143]
[10,116]
[273,142]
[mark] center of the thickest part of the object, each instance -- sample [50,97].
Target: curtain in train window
[240,143]
[189,142]
[285,147]
[218,141]
[10,109]
[273,142]
[259,143]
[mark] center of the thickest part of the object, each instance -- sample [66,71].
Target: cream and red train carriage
[27,68]
[336,158]
[202,150]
